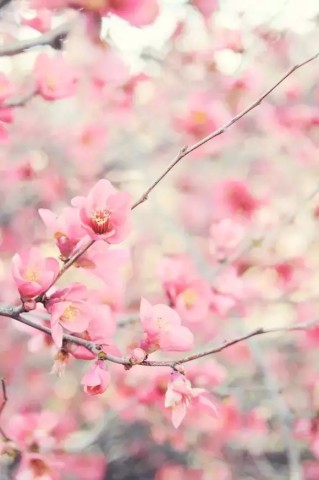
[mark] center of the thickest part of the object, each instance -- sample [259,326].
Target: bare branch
[187,150]
[52,38]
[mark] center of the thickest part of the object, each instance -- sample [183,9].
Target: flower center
[69,314]
[189,297]
[32,275]
[199,117]
[101,221]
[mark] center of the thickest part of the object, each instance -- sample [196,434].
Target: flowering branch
[96,349]
[52,38]
[187,150]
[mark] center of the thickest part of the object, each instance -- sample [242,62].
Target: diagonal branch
[52,38]
[187,150]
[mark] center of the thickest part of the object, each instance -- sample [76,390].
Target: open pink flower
[163,329]
[180,394]
[100,330]
[190,294]
[105,213]
[69,311]
[97,379]
[233,198]
[55,79]
[104,262]
[226,236]
[65,228]
[194,301]
[32,273]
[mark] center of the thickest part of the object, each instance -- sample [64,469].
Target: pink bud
[30,305]
[138,356]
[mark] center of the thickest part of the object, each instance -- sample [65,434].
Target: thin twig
[66,267]
[52,38]
[187,150]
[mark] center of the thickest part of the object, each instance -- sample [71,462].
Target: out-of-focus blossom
[232,198]
[55,79]
[33,273]
[97,379]
[180,394]
[65,228]
[163,329]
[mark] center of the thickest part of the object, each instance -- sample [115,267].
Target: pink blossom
[35,466]
[110,69]
[203,115]
[69,311]
[105,213]
[6,115]
[206,7]
[97,379]
[190,295]
[89,141]
[33,429]
[55,79]
[137,12]
[33,273]
[180,394]
[226,236]
[193,302]
[100,330]
[175,274]
[104,262]
[65,228]
[138,356]
[233,198]
[163,329]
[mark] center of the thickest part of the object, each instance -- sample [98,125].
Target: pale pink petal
[178,414]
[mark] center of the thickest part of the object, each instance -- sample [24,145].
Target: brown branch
[52,38]
[66,337]
[94,348]
[187,150]
[229,343]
